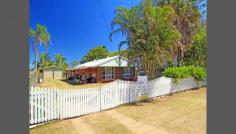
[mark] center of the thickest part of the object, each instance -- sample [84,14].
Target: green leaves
[196,53]
[32,32]
[40,37]
[198,73]
[159,33]
[60,60]
[74,63]
[96,53]
[150,33]
[122,53]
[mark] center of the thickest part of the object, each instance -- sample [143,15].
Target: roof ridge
[104,60]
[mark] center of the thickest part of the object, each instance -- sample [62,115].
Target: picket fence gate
[51,104]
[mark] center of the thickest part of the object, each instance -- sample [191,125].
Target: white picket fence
[52,104]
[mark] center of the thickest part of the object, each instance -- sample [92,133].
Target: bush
[198,73]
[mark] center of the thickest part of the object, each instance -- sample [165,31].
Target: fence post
[100,94]
[129,91]
[57,105]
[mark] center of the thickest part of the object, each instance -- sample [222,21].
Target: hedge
[199,73]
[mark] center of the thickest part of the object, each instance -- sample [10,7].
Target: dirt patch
[60,84]
[135,126]
[81,126]
[183,112]
[104,124]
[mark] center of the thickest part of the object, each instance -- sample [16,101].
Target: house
[103,70]
[53,72]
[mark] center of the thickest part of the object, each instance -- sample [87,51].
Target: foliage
[40,36]
[74,63]
[186,19]
[150,34]
[96,53]
[199,73]
[122,53]
[196,53]
[44,61]
[60,61]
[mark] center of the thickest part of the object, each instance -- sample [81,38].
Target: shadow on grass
[76,83]
[139,103]
[72,82]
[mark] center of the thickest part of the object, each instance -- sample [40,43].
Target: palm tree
[127,22]
[45,61]
[186,20]
[60,61]
[160,36]
[40,37]
[151,35]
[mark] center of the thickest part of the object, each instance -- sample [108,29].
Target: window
[109,73]
[126,73]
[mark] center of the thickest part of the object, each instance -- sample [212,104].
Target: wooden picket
[51,104]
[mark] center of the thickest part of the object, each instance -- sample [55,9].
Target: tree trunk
[36,62]
[36,54]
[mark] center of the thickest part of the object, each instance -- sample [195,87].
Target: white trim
[101,62]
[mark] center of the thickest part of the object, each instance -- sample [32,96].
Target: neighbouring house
[103,70]
[53,72]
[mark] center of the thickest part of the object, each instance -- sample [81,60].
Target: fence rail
[51,104]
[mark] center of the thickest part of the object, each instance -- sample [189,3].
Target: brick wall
[118,73]
[86,71]
[99,75]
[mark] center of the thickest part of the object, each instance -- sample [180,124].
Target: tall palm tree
[40,37]
[186,20]
[151,35]
[160,36]
[127,24]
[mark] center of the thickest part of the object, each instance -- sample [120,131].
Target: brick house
[103,70]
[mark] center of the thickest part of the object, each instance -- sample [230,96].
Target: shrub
[198,73]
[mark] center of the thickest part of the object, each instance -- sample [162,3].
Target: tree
[96,53]
[151,36]
[121,52]
[186,20]
[40,36]
[196,53]
[74,63]
[60,61]
[45,61]
[127,22]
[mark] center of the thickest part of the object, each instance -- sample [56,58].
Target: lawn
[181,113]
[61,84]
[98,123]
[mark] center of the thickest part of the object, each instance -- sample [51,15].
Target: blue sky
[76,25]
